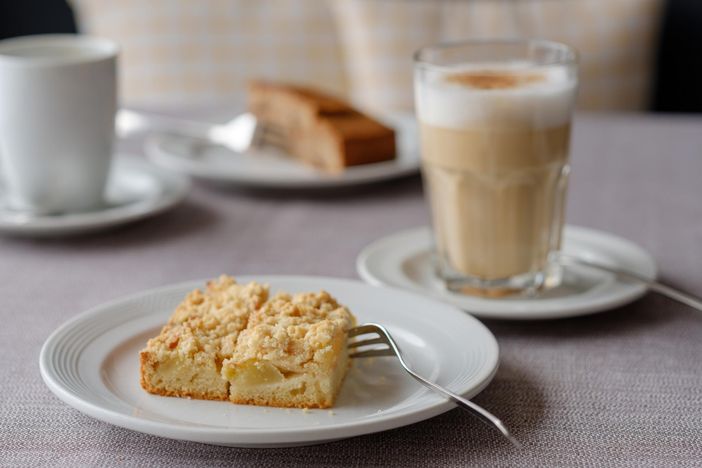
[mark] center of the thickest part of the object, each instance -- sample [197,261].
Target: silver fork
[240,134]
[384,345]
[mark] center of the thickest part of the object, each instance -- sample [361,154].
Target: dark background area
[677,76]
[24,17]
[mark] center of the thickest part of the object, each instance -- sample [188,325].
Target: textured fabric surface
[182,51]
[621,388]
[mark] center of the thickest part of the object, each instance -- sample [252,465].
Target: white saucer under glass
[405,260]
[271,168]
[135,190]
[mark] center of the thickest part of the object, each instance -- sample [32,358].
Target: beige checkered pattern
[616,39]
[181,51]
[184,51]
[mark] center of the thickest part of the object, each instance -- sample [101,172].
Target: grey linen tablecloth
[622,388]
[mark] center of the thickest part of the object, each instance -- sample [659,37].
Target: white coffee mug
[58,98]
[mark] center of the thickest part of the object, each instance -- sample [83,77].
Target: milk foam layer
[444,100]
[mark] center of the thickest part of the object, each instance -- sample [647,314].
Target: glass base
[526,284]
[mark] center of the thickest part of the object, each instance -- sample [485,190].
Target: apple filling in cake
[292,353]
[185,358]
[233,342]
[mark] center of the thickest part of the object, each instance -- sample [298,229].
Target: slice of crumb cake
[292,354]
[185,358]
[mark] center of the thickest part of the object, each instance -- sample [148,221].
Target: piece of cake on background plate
[320,130]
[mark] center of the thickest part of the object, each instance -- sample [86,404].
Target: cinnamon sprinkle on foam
[494,80]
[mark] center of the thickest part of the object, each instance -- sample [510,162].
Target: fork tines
[269,134]
[381,344]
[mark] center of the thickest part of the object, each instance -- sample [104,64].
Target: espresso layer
[497,196]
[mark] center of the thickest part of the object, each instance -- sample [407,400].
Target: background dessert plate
[92,364]
[404,260]
[136,189]
[271,168]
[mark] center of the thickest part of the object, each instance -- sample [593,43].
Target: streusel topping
[294,331]
[211,321]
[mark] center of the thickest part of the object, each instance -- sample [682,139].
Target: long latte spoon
[653,285]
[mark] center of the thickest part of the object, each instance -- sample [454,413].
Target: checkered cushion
[179,51]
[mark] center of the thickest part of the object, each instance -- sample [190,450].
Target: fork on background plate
[239,134]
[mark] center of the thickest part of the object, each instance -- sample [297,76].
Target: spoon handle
[668,291]
[130,121]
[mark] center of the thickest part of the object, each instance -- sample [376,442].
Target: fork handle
[478,411]
[481,413]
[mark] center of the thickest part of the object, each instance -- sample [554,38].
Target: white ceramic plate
[136,189]
[404,260]
[91,363]
[271,168]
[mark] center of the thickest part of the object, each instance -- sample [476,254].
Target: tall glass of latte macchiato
[495,121]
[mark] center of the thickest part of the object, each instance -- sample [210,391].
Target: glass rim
[571,59]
